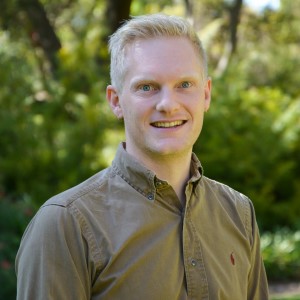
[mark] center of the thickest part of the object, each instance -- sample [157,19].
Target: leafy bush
[14,217]
[251,142]
[53,130]
[281,254]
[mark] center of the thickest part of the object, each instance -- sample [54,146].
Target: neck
[177,175]
[174,169]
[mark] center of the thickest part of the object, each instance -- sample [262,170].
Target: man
[151,226]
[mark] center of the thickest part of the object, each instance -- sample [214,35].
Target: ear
[114,101]
[207,94]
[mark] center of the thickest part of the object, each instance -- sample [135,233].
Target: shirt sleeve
[52,259]
[257,281]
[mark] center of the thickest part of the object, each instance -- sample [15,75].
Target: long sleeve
[258,285]
[51,262]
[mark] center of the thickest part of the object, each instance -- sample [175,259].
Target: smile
[167,124]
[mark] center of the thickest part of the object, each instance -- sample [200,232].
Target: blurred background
[56,128]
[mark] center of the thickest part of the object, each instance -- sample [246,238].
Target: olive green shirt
[123,234]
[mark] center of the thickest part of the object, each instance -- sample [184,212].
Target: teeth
[167,124]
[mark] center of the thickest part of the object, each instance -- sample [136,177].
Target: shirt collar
[134,173]
[142,179]
[196,169]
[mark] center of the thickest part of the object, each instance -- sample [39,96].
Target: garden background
[56,128]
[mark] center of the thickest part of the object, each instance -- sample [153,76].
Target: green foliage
[56,129]
[14,217]
[49,126]
[251,136]
[250,142]
[281,254]
[293,297]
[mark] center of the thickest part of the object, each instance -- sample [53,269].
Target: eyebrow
[140,80]
[152,79]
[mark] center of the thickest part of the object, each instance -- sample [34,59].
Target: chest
[152,252]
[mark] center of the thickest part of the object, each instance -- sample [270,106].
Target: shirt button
[193,262]
[158,184]
[150,196]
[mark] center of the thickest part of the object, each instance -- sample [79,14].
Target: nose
[167,101]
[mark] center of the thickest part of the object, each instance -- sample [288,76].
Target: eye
[145,87]
[185,84]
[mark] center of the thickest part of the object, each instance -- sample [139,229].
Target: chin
[168,150]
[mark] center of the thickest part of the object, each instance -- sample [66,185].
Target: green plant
[294,297]
[281,254]
[14,217]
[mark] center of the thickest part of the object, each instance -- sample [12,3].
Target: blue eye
[185,84]
[145,88]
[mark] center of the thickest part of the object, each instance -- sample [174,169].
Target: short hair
[145,27]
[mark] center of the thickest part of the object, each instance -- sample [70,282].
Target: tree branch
[117,11]
[231,45]
[42,33]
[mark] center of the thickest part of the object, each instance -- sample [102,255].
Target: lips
[168,124]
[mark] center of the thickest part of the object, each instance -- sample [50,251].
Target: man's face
[163,99]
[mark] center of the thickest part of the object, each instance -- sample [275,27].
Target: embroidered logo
[232,258]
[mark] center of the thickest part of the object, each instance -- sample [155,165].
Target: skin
[163,101]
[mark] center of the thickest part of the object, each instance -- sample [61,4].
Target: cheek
[132,117]
[195,107]
[198,115]
[137,111]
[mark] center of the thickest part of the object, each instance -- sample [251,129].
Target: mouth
[168,124]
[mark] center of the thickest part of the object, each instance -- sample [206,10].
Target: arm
[257,280]
[52,261]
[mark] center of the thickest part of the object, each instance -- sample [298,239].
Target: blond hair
[145,27]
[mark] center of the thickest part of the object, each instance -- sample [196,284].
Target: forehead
[163,53]
[163,44]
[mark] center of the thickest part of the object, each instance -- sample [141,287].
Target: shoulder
[71,207]
[67,218]
[225,192]
[81,191]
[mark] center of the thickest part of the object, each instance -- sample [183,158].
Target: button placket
[150,196]
[158,184]
[193,262]
[194,268]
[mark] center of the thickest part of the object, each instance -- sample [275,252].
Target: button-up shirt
[124,234]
